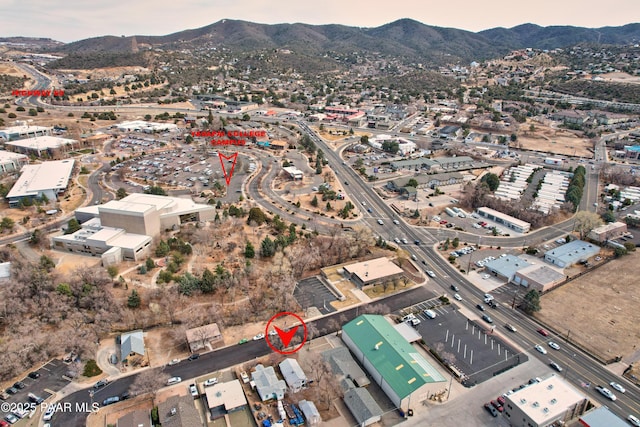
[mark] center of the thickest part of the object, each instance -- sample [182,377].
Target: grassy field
[600,313]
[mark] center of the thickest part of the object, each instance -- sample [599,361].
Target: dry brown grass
[601,313]
[554,141]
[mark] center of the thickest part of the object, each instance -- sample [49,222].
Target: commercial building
[49,146]
[203,337]
[146,127]
[111,244]
[506,267]
[400,370]
[504,219]
[373,271]
[602,417]
[18,132]
[268,386]
[571,253]
[426,181]
[147,213]
[542,278]
[293,172]
[224,398]
[47,179]
[608,231]
[544,403]
[12,162]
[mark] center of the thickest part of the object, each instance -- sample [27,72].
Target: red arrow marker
[234,156]
[286,336]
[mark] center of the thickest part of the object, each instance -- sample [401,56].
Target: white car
[554,345]
[272,333]
[431,273]
[634,420]
[173,362]
[457,296]
[540,349]
[606,392]
[244,377]
[485,276]
[258,337]
[210,382]
[405,241]
[174,380]
[617,387]
[193,390]
[49,413]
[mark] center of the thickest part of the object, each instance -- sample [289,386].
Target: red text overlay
[228,142]
[235,133]
[37,93]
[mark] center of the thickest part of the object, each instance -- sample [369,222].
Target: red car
[501,400]
[497,406]
[443,222]
[543,332]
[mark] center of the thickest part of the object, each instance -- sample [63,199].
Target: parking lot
[51,378]
[312,292]
[470,346]
[196,170]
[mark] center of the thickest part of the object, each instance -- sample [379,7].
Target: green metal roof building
[394,364]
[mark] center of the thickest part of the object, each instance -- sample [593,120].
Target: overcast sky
[70,20]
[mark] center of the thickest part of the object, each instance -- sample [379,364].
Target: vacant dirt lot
[555,142]
[601,313]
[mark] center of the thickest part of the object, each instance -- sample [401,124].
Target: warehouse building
[571,253]
[405,376]
[373,271]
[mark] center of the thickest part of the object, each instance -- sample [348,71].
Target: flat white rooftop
[53,175]
[41,142]
[23,130]
[374,269]
[10,156]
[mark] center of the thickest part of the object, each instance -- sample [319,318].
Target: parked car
[4,395]
[489,407]
[35,399]
[19,385]
[244,377]
[617,387]
[34,375]
[497,405]
[210,382]
[125,395]
[101,384]
[110,400]
[11,419]
[485,276]
[193,356]
[553,345]
[12,390]
[193,390]
[173,362]
[501,400]
[243,341]
[258,337]
[174,380]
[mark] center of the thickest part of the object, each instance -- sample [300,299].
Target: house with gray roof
[571,253]
[343,364]
[268,386]
[363,407]
[311,413]
[179,411]
[132,343]
[139,418]
[293,374]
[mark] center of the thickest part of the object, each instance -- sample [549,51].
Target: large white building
[147,213]
[40,145]
[12,162]
[45,179]
[544,403]
[146,127]
[24,131]
[124,229]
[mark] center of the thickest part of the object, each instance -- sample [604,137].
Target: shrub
[91,369]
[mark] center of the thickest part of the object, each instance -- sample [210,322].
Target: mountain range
[402,38]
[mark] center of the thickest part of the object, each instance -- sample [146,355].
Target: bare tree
[148,381]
